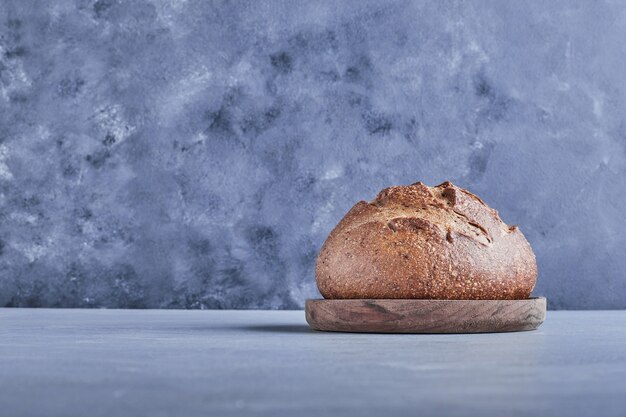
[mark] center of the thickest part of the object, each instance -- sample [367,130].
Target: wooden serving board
[425,316]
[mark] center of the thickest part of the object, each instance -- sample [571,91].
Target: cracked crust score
[425,242]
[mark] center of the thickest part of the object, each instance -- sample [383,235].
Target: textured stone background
[195,154]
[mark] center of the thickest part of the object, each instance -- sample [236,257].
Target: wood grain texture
[425,316]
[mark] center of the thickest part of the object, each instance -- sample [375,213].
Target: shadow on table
[279,328]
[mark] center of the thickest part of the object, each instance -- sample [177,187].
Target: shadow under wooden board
[425,316]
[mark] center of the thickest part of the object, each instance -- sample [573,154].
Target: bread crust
[425,242]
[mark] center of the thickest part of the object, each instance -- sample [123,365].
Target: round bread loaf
[425,242]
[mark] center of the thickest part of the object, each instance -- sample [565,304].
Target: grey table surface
[230,363]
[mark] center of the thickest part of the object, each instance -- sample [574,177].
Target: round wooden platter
[425,316]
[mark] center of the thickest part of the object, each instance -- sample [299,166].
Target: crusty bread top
[452,245]
[455,209]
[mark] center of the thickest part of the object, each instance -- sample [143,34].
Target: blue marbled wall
[196,154]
